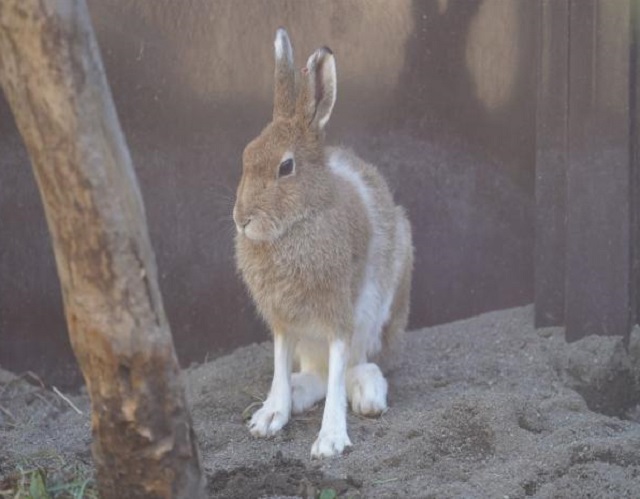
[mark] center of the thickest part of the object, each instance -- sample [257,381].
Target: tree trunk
[52,76]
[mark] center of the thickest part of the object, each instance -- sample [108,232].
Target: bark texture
[53,78]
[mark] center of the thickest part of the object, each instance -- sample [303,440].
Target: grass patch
[74,482]
[328,494]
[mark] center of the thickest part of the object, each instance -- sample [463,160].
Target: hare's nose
[240,218]
[241,223]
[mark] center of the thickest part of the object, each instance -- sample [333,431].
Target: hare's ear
[319,91]
[284,91]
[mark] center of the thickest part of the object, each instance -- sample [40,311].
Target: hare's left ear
[284,88]
[318,94]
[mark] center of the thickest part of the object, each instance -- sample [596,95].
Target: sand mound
[486,407]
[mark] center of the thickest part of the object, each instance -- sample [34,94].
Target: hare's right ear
[318,92]
[284,91]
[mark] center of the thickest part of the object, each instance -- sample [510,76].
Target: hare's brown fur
[324,251]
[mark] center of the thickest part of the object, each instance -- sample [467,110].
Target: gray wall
[440,94]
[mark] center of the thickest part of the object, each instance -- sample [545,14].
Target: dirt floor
[486,407]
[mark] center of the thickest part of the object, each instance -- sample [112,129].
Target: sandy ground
[486,407]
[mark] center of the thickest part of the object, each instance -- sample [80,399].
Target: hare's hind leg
[366,385]
[309,386]
[367,389]
[393,331]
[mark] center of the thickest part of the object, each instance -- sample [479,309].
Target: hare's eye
[286,168]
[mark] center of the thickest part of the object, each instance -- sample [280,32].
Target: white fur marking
[283,46]
[276,410]
[374,303]
[367,389]
[307,388]
[333,437]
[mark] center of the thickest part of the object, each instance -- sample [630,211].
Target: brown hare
[325,253]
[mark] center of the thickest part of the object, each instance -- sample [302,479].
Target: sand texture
[485,407]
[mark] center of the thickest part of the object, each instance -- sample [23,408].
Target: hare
[325,253]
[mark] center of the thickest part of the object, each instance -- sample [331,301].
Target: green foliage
[37,488]
[36,483]
[328,494]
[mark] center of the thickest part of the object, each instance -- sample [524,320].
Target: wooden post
[53,78]
[587,234]
[599,200]
[551,163]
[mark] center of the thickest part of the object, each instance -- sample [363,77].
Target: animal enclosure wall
[587,269]
[440,94]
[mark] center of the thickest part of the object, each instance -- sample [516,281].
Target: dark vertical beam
[634,129]
[551,162]
[598,263]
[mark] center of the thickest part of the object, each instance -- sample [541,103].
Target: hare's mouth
[248,226]
[256,231]
[250,233]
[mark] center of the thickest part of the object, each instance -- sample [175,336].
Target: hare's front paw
[306,389]
[367,390]
[330,443]
[268,420]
